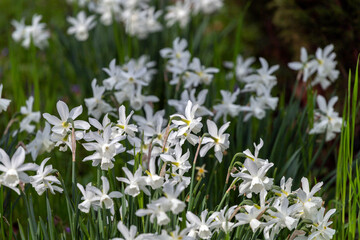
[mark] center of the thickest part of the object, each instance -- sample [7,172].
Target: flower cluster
[35,33]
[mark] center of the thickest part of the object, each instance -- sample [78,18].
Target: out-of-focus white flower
[325,65]
[136,182]
[14,169]
[307,67]
[25,124]
[242,67]
[156,211]
[96,105]
[81,25]
[171,201]
[199,74]
[41,143]
[35,33]
[43,180]
[114,75]
[178,13]
[128,234]
[89,198]
[207,6]
[218,139]
[326,119]
[4,103]
[108,9]
[227,105]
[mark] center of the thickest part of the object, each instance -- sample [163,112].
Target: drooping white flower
[81,25]
[326,119]
[30,116]
[135,182]
[218,139]
[4,103]
[96,105]
[227,105]
[43,180]
[14,169]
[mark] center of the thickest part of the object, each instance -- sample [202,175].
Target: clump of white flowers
[36,33]
[81,25]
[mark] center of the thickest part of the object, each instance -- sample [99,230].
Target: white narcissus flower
[43,180]
[171,201]
[320,228]
[81,25]
[179,161]
[14,169]
[207,6]
[285,214]
[218,139]
[96,105]
[178,56]
[89,198]
[105,147]
[199,74]
[227,105]
[326,119]
[30,116]
[41,143]
[309,202]
[242,67]
[123,125]
[19,32]
[62,125]
[156,211]
[153,179]
[307,67]
[34,33]
[179,12]
[128,234]
[224,218]
[136,182]
[188,123]
[4,103]
[254,157]
[203,226]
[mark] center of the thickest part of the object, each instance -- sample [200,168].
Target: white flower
[326,119]
[41,143]
[81,25]
[96,105]
[285,214]
[325,66]
[171,201]
[35,33]
[25,124]
[207,6]
[4,103]
[136,182]
[254,157]
[153,179]
[309,202]
[155,210]
[180,12]
[180,161]
[320,228]
[227,106]
[89,198]
[218,139]
[242,67]
[188,123]
[62,125]
[123,125]
[151,119]
[307,67]
[19,32]
[14,169]
[43,180]
[114,75]
[224,219]
[202,225]
[128,234]
[255,180]
[105,147]
[199,74]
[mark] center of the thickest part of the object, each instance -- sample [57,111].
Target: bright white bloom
[123,125]
[188,123]
[114,75]
[171,201]
[307,67]
[151,119]
[242,67]
[255,180]
[218,139]
[128,234]
[199,74]
[178,13]
[14,169]
[227,105]
[153,179]
[43,180]
[326,119]
[320,228]
[4,103]
[136,182]
[62,125]
[108,9]
[179,161]
[224,219]
[19,32]
[89,198]
[96,105]
[203,226]
[30,116]
[325,67]
[285,214]
[41,143]
[156,211]
[207,6]
[105,147]
[81,25]
[254,157]
[309,202]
